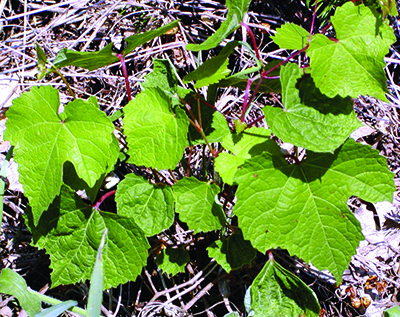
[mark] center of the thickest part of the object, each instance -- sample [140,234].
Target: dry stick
[197,283]
[198,296]
[151,282]
[177,287]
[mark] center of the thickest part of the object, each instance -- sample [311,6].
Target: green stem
[52,301]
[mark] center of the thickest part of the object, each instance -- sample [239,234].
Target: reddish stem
[270,255]
[246,98]
[253,39]
[255,121]
[103,198]
[125,72]
[313,21]
[323,31]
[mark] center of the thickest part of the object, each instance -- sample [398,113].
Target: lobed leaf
[151,206]
[303,208]
[44,140]
[106,56]
[353,64]
[236,11]
[71,232]
[278,292]
[310,119]
[153,129]
[197,206]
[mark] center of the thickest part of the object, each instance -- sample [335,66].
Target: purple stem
[103,198]
[253,39]
[323,31]
[246,98]
[313,20]
[125,72]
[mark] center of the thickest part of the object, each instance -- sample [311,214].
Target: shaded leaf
[232,253]
[172,261]
[251,142]
[71,232]
[277,292]
[310,119]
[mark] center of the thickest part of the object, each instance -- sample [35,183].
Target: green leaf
[42,60]
[291,36]
[353,64]
[213,69]
[392,312]
[232,253]
[251,142]
[151,206]
[310,119]
[153,129]
[164,77]
[13,284]
[241,79]
[71,179]
[215,129]
[71,232]
[172,261]
[44,140]
[277,292]
[303,208]
[236,11]
[58,309]
[239,126]
[232,314]
[197,206]
[106,56]
[388,7]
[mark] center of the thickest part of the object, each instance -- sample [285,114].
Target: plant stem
[199,129]
[253,39]
[312,22]
[103,198]
[67,84]
[125,72]
[53,301]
